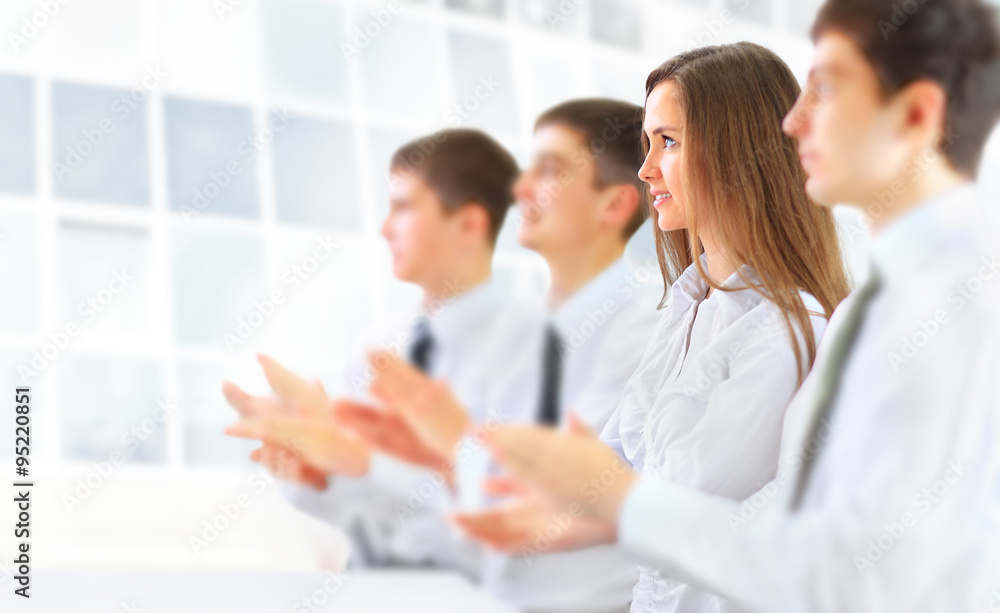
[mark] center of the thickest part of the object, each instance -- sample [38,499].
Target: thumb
[316,386]
[575,425]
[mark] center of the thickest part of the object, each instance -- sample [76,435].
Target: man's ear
[623,204]
[474,220]
[924,105]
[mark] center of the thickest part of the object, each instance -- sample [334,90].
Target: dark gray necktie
[423,343]
[548,412]
[830,378]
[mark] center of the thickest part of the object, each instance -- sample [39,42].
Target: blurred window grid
[162,191]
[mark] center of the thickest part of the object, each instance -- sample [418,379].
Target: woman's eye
[668,142]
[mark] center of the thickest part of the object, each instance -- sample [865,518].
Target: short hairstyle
[611,129]
[462,166]
[954,43]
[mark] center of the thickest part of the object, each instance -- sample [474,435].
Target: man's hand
[566,468]
[433,414]
[389,433]
[315,438]
[285,465]
[282,463]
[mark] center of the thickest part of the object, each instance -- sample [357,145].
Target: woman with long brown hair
[752,270]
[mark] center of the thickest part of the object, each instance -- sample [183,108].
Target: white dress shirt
[604,327]
[396,514]
[489,349]
[706,405]
[900,514]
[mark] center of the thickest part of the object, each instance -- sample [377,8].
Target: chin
[402,272]
[668,224]
[526,239]
[821,192]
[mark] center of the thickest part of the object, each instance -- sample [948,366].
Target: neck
[573,269]
[934,181]
[454,283]
[718,265]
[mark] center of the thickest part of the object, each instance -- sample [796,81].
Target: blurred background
[167,165]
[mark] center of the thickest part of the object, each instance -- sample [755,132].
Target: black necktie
[548,412]
[423,344]
[831,376]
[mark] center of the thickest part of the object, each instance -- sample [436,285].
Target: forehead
[663,108]
[838,56]
[405,183]
[557,140]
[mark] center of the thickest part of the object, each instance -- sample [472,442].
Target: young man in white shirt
[449,195]
[580,204]
[887,497]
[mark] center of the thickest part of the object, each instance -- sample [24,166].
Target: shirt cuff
[647,510]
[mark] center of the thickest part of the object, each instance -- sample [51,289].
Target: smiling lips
[660,198]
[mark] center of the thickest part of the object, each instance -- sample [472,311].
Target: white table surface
[76,591]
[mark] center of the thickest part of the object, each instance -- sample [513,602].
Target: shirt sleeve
[735,397]
[929,543]
[395,514]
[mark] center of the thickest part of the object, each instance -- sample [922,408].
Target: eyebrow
[661,129]
[826,69]
[553,157]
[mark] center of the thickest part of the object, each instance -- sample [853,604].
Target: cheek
[671,169]
[546,204]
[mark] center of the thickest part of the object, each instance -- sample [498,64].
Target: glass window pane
[616,22]
[553,80]
[104,285]
[19,272]
[803,13]
[211,49]
[406,84]
[329,300]
[382,144]
[205,413]
[315,176]
[621,82]
[488,8]
[108,405]
[211,157]
[219,291]
[552,15]
[483,83]
[303,52]
[756,11]
[99,144]
[17,134]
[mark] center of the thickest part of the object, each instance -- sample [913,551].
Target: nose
[649,170]
[796,120]
[384,230]
[522,188]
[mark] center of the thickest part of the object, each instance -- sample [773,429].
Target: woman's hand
[566,468]
[529,527]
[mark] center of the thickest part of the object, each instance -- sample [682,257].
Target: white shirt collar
[907,243]
[690,288]
[451,318]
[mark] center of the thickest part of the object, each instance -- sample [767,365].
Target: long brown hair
[742,172]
